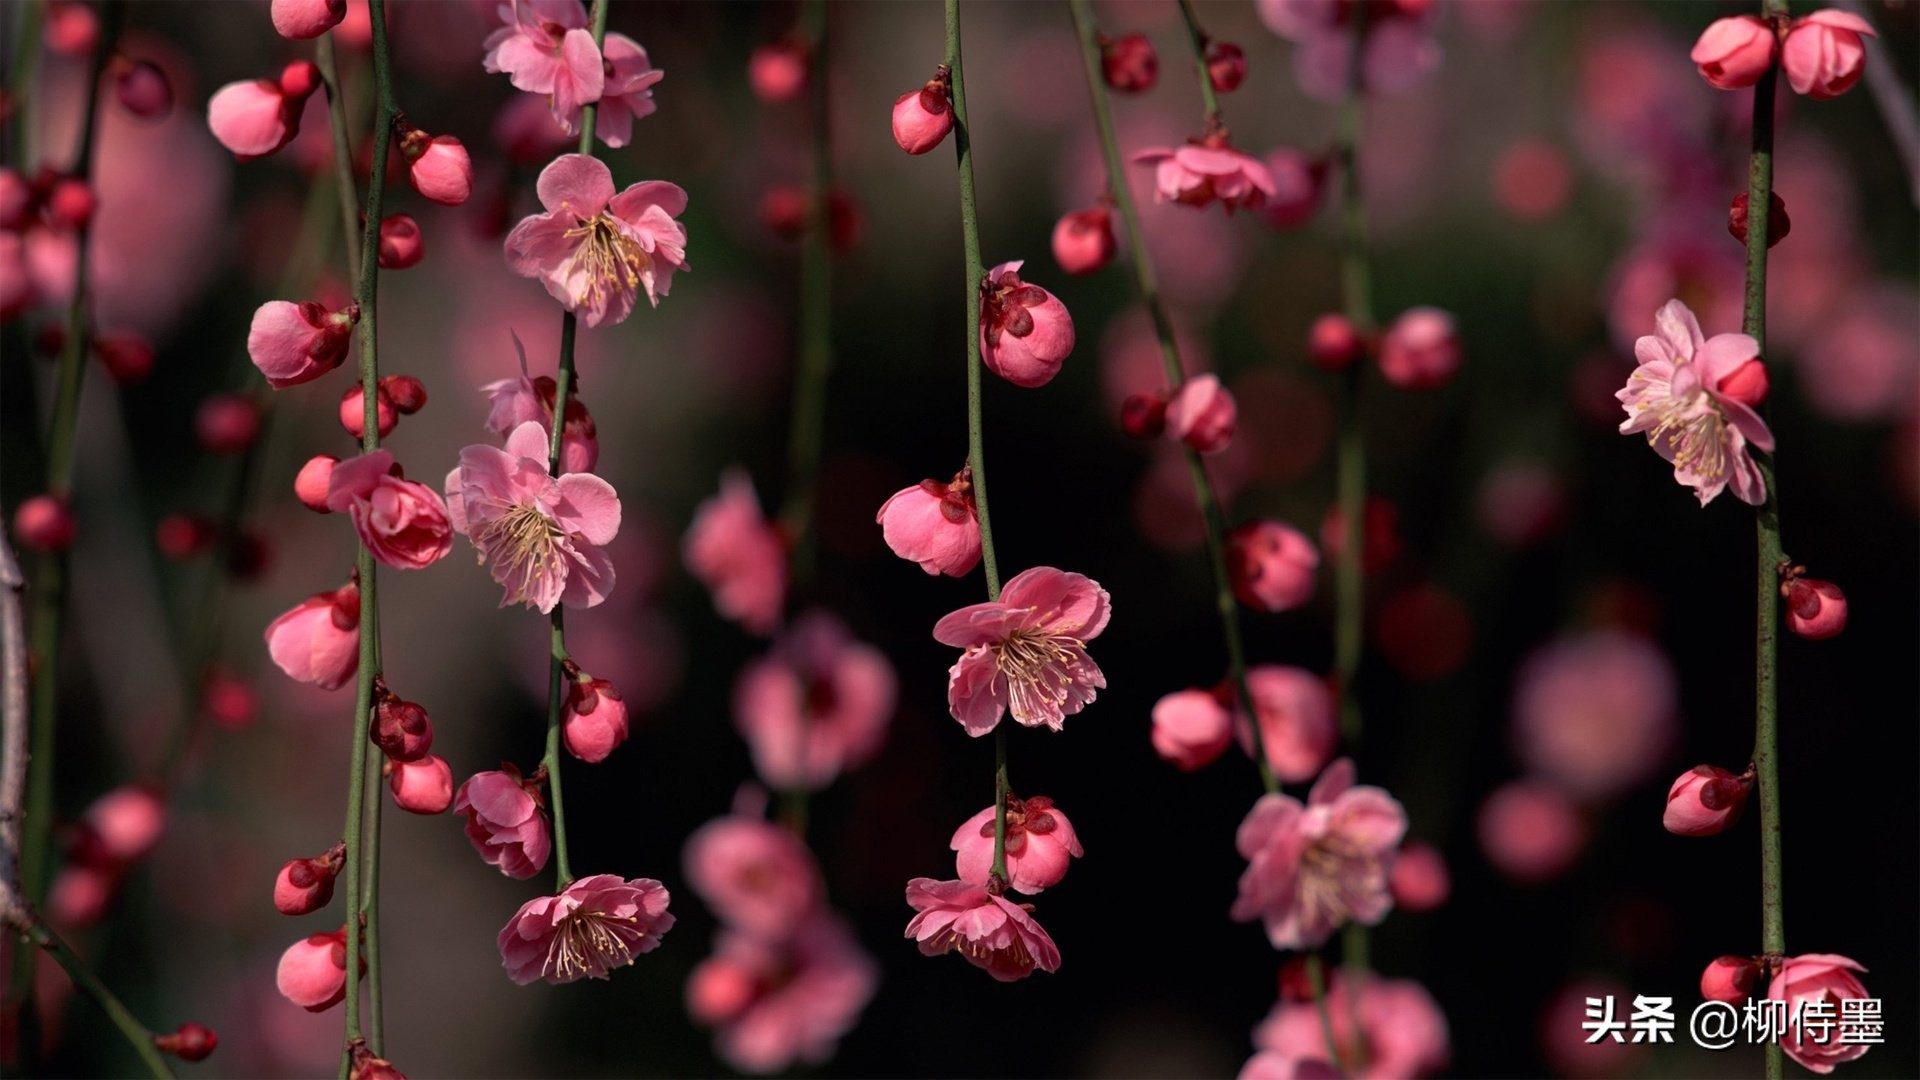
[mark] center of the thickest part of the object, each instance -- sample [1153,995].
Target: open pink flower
[756,876]
[296,343]
[1040,843]
[594,249]
[545,48]
[1296,720]
[1402,1032]
[1675,396]
[1025,331]
[817,706]
[738,555]
[1026,652]
[993,933]
[628,95]
[541,535]
[1313,868]
[318,642]
[777,1003]
[1200,173]
[504,821]
[594,925]
[1822,977]
[512,402]
[403,523]
[935,525]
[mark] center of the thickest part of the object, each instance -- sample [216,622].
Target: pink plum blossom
[1297,184]
[1202,172]
[512,402]
[1191,728]
[817,706]
[1816,609]
[545,48]
[628,95]
[923,116]
[1202,414]
[403,523]
[313,971]
[1026,652]
[541,535]
[1272,565]
[1397,54]
[318,641]
[1822,977]
[1823,55]
[1040,843]
[1296,720]
[738,555]
[596,721]
[1530,831]
[1674,395]
[1734,52]
[774,1004]
[1313,868]
[1420,350]
[1025,331]
[1729,979]
[296,343]
[993,933]
[306,18]
[255,117]
[756,876]
[1596,713]
[1704,800]
[505,822]
[1402,1032]
[592,926]
[1083,240]
[422,787]
[1420,880]
[438,166]
[935,525]
[595,249]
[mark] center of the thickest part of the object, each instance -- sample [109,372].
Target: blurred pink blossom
[817,706]
[758,878]
[1402,1032]
[738,555]
[1596,713]
[1311,868]
[1530,831]
[777,1003]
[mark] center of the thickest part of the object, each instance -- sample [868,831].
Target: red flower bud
[1333,343]
[1143,416]
[1705,800]
[1778,224]
[1746,384]
[1729,979]
[353,412]
[401,729]
[128,357]
[401,244]
[407,394]
[143,89]
[311,484]
[1226,66]
[227,423]
[43,523]
[1129,63]
[306,885]
[193,1042]
[1816,609]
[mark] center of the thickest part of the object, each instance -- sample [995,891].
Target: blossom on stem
[1729,979]
[512,402]
[1083,241]
[1129,64]
[1817,977]
[421,787]
[1313,868]
[505,820]
[1402,1032]
[935,525]
[993,933]
[306,885]
[1202,414]
[1823,55]
[1705,800]
[595,249]
[401,243]
[546,48]
[1272,565]
[1040,843]
[297,343]
[596,721]
[255,117]
[1297,725]
[590,927]
[1208,170]
[738,555]
[313,971]
[817,706]
[318,641]
[1734,52]
[540,535]
[1675,396]
[1026,652]
[628,93]
[1025,331]
[1816,609]
[922,117]
[1398,51]
[438,166]
[301,19]
[403,523]
[1421,350]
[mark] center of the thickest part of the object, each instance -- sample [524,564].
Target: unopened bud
[1705,800]
[1332,342]
[227,423]
[43,523]
[1778,224]
[182,536]
[127,357]
[193,1042]
[1729,979]
[1129,64]
[408,394]
[143,89]
[922,117]
[353,412]
[311,484]
[401,729]
[306,885]
[1816,609]
[1143,416]
[1746,384]
[1226,66]
[401,244]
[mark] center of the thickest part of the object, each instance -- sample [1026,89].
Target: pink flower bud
[71,203]
[504,821]
[1733,53]
[1202,414]
[1272,565]
[421,787]
[408,394]
[1419,881]
[438,166]
[128,357]
[1333,343]
[299,79]
[81,894]
[1816,610]
[192,1042]
[227,424]
[401,729]
[1025,331]
[228,700]
[1226,66]
[1705,800]
[253,118]
[1778,224]
[1823,977]
[313,971]
[1747,384]
[1421,350]
[720,990]
[43,523]
[1143,416]
[126,824]
[71,28]
[596,720]
[369,1066]
[1129,63]
[318,641]
[1040,845]
[1729,979]
[922,118]
[1083,240]
[1191,728]
[182,536]
[353,412]
[401,244]
[777,71]
[1530,831]
[935,525]
[142,89]
[297,343]
[307,18]
[1823,55]
[311,484]
[306,885]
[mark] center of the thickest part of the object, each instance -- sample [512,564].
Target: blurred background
[1557,613]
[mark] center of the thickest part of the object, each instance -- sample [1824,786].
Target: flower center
[608,260]
[1333,875]
[1038,671]
[588,943]
[524,543]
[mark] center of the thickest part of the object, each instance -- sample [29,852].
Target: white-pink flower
[545,48]
[1311,869]
[628,95]
[1675,396]
[595,249]
[592,926]
[402,522]
[1026,652]
[541,535]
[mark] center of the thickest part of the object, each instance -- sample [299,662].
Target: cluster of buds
[1419,350]
[421,782]
[117,832]
[1201,414]
[1822,53]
